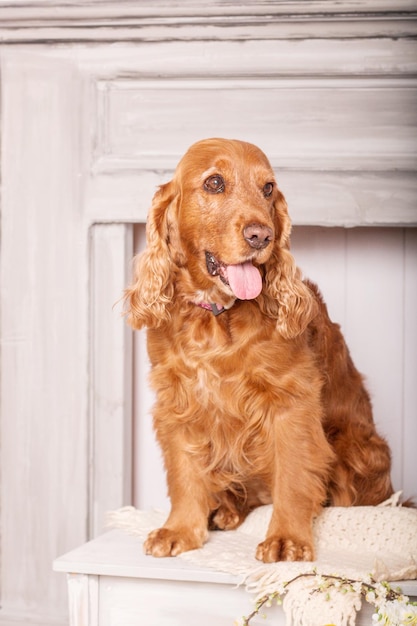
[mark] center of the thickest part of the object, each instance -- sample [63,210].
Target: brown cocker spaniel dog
[258,400]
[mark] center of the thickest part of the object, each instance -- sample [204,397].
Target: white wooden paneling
[409,327]
[311,120]
[321,255]
[111,373]
[375,289]
[149,482]
[334,171]
[43,337]
[329,57]
[368,279]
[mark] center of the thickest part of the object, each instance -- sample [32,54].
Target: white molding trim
[307,153]
[129,20]
[124,10]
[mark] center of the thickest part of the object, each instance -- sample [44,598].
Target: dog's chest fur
[226,382]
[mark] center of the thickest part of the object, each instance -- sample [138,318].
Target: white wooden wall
[99,100]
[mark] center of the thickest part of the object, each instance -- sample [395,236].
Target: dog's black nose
[258,236]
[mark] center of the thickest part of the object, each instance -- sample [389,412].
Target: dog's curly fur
[261,403]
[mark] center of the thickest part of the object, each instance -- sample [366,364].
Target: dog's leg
[301,466]
[187,525]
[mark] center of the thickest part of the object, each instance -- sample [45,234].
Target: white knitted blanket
[351,542]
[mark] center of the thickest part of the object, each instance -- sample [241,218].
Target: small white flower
[357,587]
[381,590]
[397,613]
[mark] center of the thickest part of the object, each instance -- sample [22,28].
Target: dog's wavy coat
[258,400]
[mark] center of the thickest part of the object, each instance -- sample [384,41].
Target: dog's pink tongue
[245,280]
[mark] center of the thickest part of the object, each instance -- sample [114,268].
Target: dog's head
[219,231]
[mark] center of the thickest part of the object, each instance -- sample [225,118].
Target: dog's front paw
[167,542]
[284,549]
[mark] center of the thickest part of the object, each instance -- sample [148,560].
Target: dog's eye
[214,184]
[268,189]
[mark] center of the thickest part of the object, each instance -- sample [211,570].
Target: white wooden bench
[112,583]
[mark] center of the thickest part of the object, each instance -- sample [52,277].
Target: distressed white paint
[85,142]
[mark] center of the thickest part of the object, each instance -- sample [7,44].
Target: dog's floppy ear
[150,295]
[286,296]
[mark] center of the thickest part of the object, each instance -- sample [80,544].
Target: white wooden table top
[117,553]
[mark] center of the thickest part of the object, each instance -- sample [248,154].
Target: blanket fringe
[303,606]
